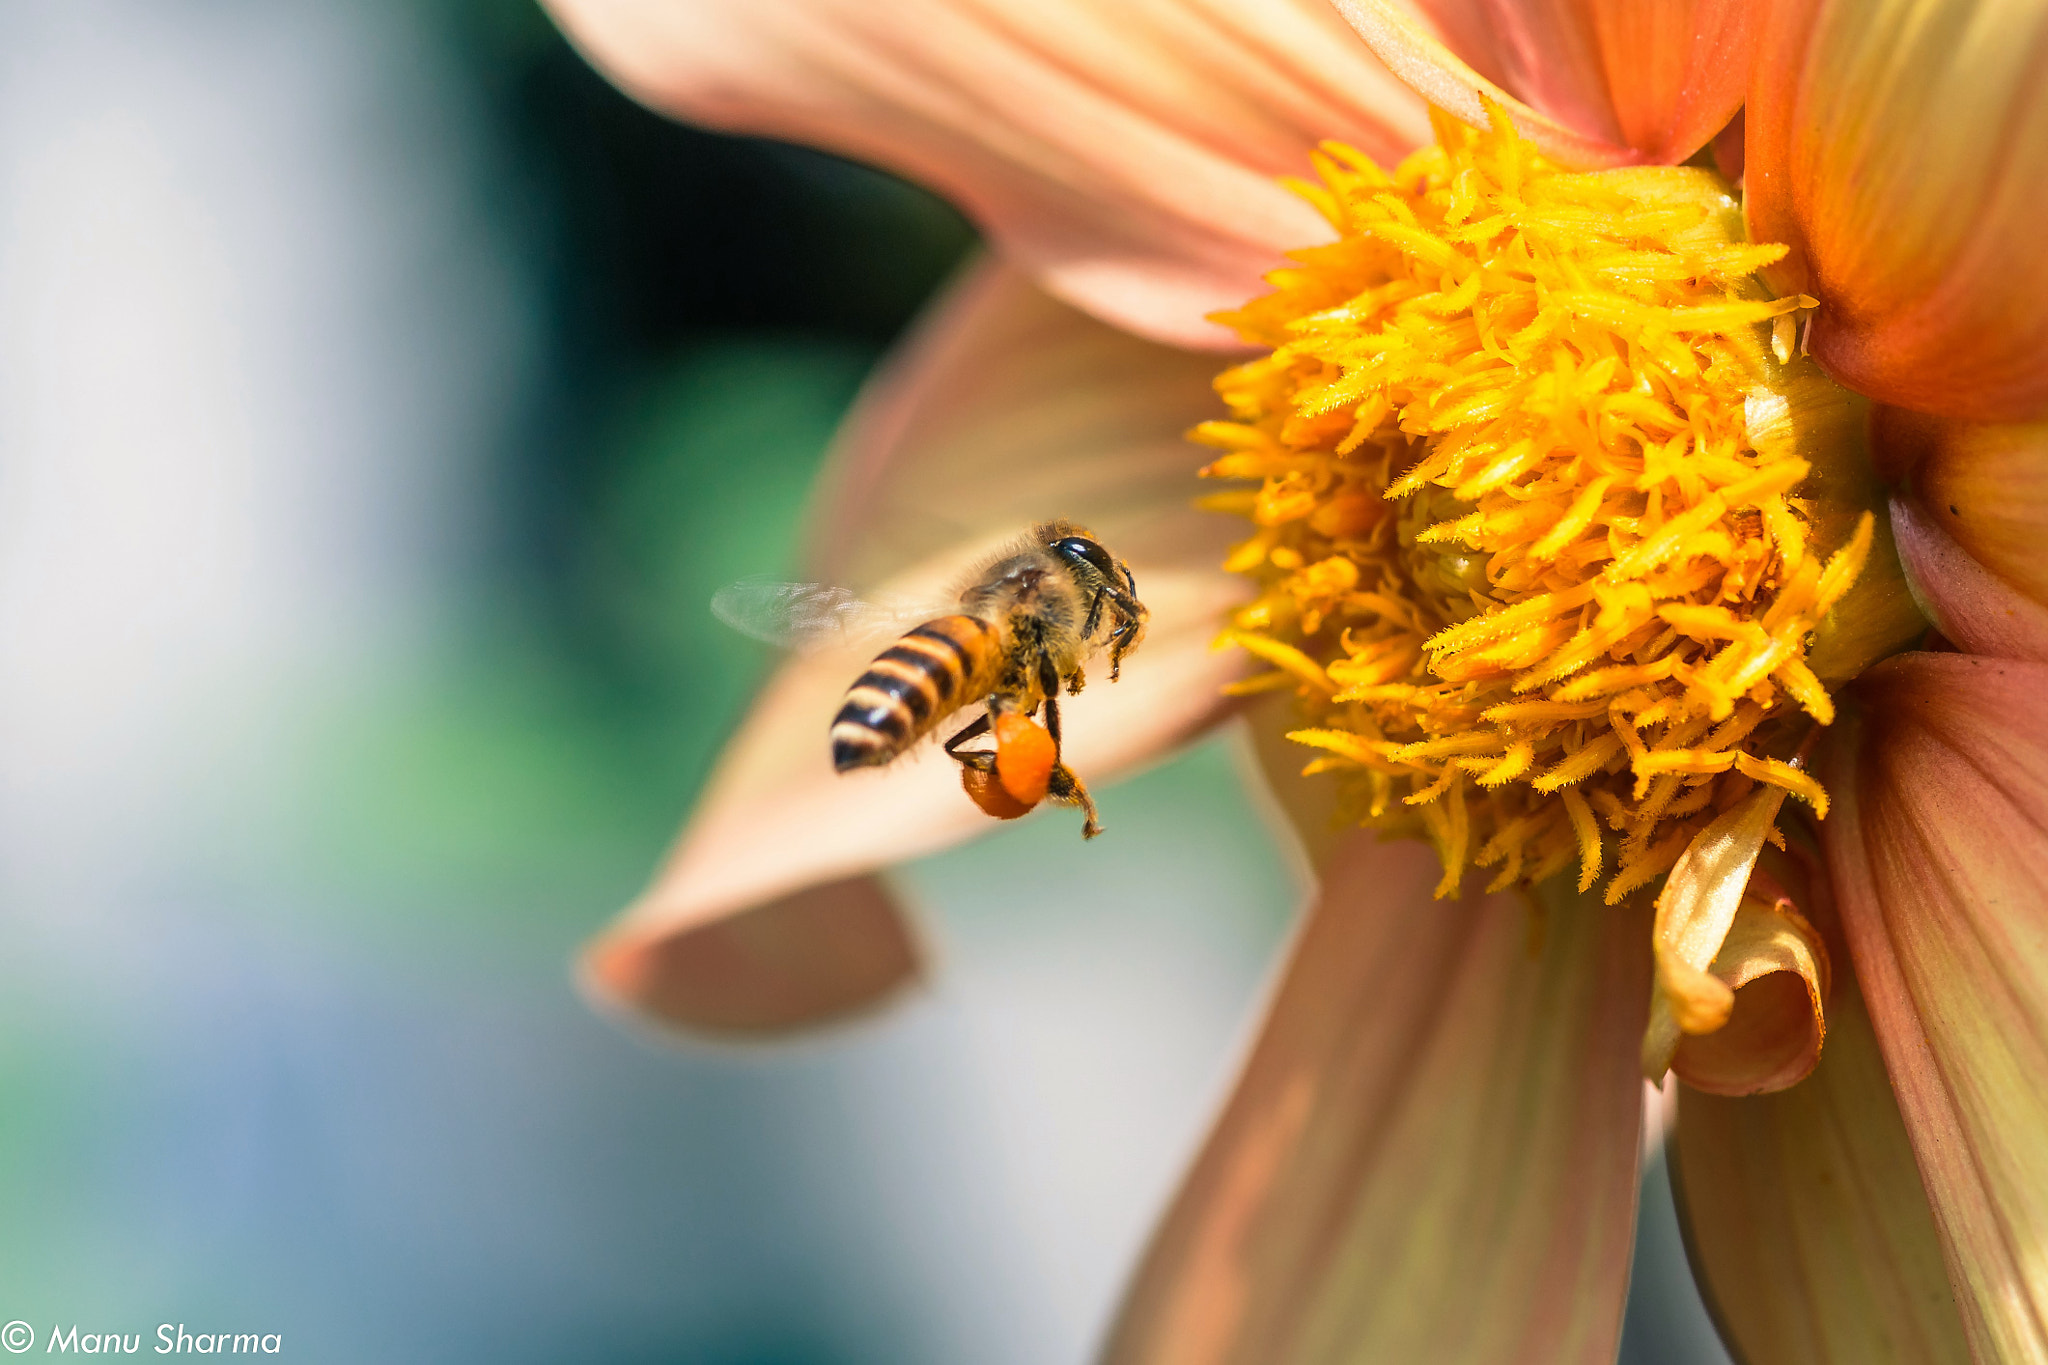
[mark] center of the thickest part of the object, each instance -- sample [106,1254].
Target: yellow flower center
[1534,537]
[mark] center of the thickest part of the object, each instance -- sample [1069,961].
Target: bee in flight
[1026,624]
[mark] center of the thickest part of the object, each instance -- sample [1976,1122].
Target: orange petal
[1805,1220]
[1971,527]
[1939,854]
[1431,1154]
[1902,150]
[1008,407]
[1776,966]
[1590,82]
[1125,152]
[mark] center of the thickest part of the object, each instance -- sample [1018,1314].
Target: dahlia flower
[1632,499]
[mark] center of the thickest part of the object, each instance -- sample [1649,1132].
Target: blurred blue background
[382,398]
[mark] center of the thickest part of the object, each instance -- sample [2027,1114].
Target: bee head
[1084,551]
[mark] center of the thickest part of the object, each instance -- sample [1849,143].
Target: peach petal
[1776,967]
[1590,82]
[1939,854]
[1301,808]
[1431,1153]
[1902,150]
[1004,407]
[999,413]
[834,949]
[1125,151]
[1993,483]
[1805,1220]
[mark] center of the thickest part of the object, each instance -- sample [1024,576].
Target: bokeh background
[382,397]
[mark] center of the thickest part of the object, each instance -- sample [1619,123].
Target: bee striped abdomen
[913,685]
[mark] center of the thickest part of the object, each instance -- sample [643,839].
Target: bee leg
[1094,615]
[1067,788]
[1119,642]
[1063,785]
[981,760]
[1048,677]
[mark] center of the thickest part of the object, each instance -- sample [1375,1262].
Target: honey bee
[1025,625]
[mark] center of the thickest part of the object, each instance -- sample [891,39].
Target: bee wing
[808,616]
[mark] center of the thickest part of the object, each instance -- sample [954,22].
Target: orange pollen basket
[1527,545]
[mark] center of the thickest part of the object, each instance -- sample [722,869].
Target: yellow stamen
[1517,547]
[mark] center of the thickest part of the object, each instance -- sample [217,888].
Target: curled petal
[1901,148]
[1776,966]
[1431,1153]
[1590,82]
[1007,409]
[1805,1220]
[1971,527]
[1939,855]
[1125,151]
[1694,914]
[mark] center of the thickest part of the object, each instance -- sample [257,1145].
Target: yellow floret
[1540,587]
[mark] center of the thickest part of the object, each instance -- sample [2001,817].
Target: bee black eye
[1081,550]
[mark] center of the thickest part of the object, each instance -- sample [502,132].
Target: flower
[1431,1152]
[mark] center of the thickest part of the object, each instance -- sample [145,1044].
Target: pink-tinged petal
[1007,408]
[1902,150]
[1431,1154]
[1939,852]
[1972,525]
[1968,603]
[1125,151]
[1805,1220]
[1590,82]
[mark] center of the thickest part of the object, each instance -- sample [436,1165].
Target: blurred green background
[383,397]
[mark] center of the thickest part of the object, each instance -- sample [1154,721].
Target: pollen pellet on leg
[986,791]
[1537,537]
[1025,754]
